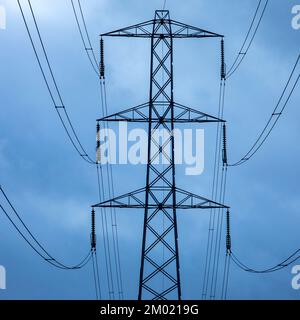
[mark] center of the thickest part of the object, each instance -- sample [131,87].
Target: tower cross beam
[182,114]
[164,26]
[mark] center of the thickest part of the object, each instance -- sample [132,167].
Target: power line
[95,277]
[225,277]
[59,107]
[231,256]
[243,51]
[86,42]
[100,191]
[215,186]
[113,218]
[45,255]
[111,192]
[107,252]
[218,236]
[212,212]
[285,263]
[218,193]
[86,31]
[68,127]
[256,146]
[273,119]
[89,49]
[97,274]
[221,189]
[84,154]
[106,243]
[246,46]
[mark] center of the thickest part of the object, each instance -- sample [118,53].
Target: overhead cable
[34,243]
[252,31]
[283,101]
[57,101]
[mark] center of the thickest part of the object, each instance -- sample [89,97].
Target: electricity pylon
[160,198]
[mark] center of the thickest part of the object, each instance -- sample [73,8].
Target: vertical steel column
[161,105]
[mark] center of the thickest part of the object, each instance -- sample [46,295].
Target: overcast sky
[53,188]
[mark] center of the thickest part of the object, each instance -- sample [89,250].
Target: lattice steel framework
[160,198]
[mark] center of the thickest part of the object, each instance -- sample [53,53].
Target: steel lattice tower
[160,198]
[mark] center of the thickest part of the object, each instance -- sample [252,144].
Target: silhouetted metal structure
[160,198]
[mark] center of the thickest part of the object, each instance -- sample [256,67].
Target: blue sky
[53,188]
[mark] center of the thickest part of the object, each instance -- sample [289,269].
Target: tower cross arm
[162,26]
[182,30]
[135,200]
[141,30]
[181,114]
